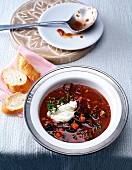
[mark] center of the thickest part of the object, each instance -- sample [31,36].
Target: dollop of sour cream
[64,112]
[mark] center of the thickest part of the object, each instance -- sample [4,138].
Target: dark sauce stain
[81,36]
[76,25]
[87,20]
[64,34]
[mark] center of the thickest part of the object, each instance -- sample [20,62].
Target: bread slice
[15,80]
[13,104]
[25,67]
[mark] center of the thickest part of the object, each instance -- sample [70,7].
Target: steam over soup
[75,113]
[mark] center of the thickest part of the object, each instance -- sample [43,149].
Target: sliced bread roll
[25,67]
[13,104]
[15,80]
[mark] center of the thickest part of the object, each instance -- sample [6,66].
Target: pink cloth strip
[40,64]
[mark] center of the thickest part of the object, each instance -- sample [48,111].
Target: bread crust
[25,67]
[8,111]
[20,88]
[17,88]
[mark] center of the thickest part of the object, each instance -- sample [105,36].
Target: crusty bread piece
[25,67]
[15,80]
[14,104]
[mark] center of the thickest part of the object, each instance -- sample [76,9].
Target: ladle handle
[16,26]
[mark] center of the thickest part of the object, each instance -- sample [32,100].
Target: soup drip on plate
[75,113]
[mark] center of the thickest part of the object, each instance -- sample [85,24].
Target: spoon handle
[16,26]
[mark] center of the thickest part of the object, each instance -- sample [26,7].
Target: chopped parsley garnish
[93,129]
[51,107]
[53,104]
[97,127]
[53,134]
[68,97]
[94,115]
[62,101]
[89,137]
[98,122]
[75,136]
[82,132]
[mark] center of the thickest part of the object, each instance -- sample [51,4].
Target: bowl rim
[112,137]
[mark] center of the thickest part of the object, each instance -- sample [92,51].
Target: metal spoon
[79,21]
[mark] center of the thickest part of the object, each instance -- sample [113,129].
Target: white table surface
[112,54]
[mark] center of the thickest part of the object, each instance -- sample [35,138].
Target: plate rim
[69,48]
[113,136]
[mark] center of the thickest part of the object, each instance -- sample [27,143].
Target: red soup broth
[91,117]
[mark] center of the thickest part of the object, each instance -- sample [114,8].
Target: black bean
[77,115]
[71,130]
[60,123]
[87,116]
[49,127]
[80,124]
[71,121]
